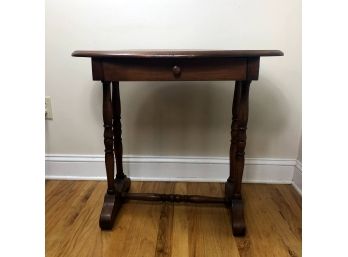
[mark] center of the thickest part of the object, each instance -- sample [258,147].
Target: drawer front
[169,70]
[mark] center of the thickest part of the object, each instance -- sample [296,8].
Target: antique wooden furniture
[110,67]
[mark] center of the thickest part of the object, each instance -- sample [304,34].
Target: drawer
[169,69]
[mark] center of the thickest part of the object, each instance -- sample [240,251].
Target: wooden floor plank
[272,214]
[61,211]
[165,229]
[180,241]
[266,223]
[135,229]
[80,235]
[210,224]
[114,242]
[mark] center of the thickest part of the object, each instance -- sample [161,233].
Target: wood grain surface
[272,215]
[162,53]
[138,69]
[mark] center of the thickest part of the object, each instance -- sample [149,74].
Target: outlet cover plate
[48,108]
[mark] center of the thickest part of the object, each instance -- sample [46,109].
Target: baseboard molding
[297,178]
[169,168]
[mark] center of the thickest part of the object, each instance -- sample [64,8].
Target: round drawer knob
[176,71]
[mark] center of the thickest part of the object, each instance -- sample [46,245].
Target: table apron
[109,69]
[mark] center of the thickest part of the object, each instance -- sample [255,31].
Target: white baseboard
[169,168]
[297,179]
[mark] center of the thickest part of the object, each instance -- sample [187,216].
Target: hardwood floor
[272,214]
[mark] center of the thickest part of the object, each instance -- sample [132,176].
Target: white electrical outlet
[48,108]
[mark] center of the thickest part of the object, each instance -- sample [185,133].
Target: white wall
[174,118]
[299,156]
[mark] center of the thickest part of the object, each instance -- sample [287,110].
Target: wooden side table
[110,67]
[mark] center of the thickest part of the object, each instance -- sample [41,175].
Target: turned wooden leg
[242,113]
[237,148]
[230,184]
[116,104]
[112,199]
[122,183]
[108,137]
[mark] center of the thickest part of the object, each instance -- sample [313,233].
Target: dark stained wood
[118,149]
[168,70]
[237,217]
[176,53]
[253,68]
[240,110]
[171,65]
[240,126]
[112,204]
[108,136]
[97,69]
[173,198]
[238,136]
[231,180]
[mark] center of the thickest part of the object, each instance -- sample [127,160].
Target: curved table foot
[113,203]
[122,185]
[238,223]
